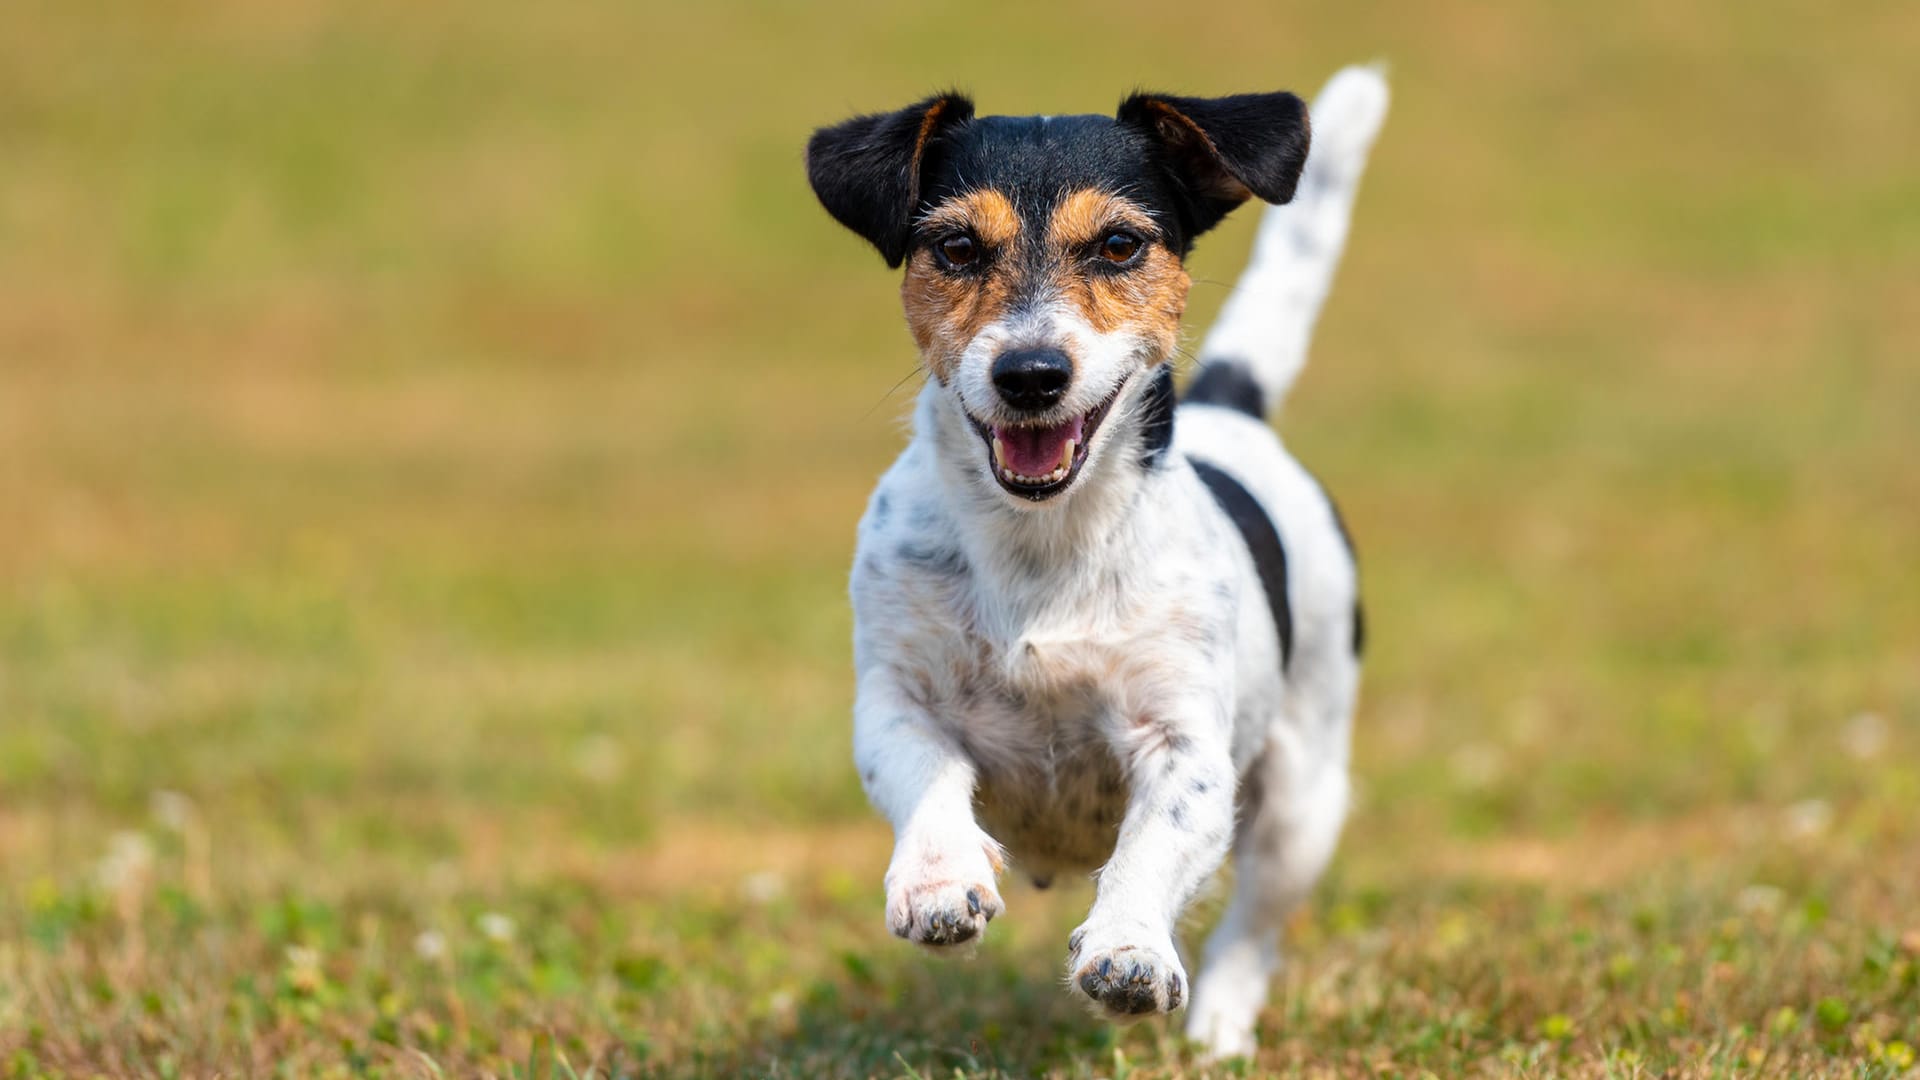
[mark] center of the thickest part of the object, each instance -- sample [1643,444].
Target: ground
[430,442]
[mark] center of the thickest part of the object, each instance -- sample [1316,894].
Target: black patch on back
[1225,382]
[1156,418]
[1263,543]
[1359,610]
[1346,538]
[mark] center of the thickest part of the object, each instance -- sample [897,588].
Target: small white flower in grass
[1759,900]
[129,856]
[303,969]
[495,927]
[762,887]
[1865,736]
[430,945]
[172,810]
[1808,818]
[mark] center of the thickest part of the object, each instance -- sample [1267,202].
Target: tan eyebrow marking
[1084,215]
[986,213]
[1148,299]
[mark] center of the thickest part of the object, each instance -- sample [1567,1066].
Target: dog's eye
[959,250]
[1120,248]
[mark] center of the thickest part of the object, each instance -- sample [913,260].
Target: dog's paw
[942,913]
[1125,977]
[943,895]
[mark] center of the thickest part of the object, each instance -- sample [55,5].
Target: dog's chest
[1050,788]
[1039,667]
[1045,694]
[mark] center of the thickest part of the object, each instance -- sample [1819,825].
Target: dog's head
[1045,255]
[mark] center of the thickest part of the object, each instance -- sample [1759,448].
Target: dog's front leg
[1178,823]
[940,884]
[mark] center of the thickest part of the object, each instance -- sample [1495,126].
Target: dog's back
[1249,361]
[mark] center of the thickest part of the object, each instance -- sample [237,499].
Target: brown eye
[959,250]
[1119,248]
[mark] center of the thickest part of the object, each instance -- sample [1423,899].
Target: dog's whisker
[918,369]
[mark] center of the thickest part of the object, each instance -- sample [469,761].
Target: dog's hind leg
[1295,800]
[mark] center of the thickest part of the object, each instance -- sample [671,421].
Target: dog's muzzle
[1037,461]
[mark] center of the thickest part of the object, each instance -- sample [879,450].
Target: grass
[430,439]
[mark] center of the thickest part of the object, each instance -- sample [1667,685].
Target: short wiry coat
[1148,655]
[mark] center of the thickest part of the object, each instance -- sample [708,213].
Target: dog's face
[1045,255]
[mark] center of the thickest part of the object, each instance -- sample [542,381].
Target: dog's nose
[1032,379]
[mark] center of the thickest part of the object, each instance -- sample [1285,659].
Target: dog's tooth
[1066,455]
[1000,453]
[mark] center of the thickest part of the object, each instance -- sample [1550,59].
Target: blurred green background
[430,442]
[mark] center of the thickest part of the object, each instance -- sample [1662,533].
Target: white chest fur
[1047,661]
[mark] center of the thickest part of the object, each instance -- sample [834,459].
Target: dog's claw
[948,928]
[943,913]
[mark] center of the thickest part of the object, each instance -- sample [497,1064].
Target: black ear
[1223,150]
[866,171]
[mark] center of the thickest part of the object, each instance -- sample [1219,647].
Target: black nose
[1032,379]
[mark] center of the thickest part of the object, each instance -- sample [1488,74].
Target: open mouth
[1039,461]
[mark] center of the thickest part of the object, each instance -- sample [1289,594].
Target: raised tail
[1259,344]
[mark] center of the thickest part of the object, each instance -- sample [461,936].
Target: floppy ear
[1223,150]
[866,171]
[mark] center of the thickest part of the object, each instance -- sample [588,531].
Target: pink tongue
[1035,451]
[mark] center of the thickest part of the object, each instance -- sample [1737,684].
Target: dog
[1099,627]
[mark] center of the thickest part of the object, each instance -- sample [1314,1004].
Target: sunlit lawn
[430,442]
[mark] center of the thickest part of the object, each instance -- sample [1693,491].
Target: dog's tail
[1258,346]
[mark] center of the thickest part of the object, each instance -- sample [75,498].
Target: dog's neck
[1094,523]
